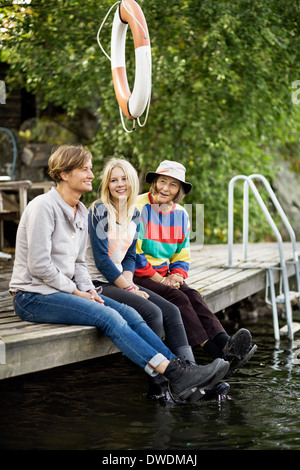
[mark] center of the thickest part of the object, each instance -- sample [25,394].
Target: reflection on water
[101,405]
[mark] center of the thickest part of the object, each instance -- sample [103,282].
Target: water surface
[101,405]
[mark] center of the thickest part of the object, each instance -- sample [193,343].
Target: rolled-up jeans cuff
[153,364]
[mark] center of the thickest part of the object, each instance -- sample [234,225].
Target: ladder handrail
[284,220]
[263,207]
[249,183]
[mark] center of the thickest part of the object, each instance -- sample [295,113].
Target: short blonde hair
[66,158]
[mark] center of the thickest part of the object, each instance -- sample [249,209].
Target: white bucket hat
[174,170]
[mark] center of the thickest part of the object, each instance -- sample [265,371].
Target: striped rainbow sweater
[163,243]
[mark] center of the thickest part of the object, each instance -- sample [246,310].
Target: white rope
[101,26]
[147,112]
[123,123]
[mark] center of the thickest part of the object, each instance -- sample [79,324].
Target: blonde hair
[105,195]
[177,199]
[67,158]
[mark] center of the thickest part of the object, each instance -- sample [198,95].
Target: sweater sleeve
[98,226]
[142,266]
[180,261]
[128,262]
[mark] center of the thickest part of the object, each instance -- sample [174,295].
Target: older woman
[163,259]
[50,282]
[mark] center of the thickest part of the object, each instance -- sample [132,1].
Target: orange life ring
[132,104]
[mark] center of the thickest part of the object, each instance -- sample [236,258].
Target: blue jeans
[158,313]
[121,323]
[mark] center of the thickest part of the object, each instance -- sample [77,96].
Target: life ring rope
[100,28]
[147,103]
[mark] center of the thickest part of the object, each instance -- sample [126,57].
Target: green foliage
[222,75]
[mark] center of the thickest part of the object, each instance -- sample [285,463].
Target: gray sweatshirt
[50,247]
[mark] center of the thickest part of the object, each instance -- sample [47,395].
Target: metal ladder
[285,296]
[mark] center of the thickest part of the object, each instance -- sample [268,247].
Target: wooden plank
[13,185]
[295,328]
[5,321]
[32,353]
[224,294]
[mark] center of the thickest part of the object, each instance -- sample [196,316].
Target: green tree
[222,75]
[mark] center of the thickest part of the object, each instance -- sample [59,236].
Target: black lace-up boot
[187,378]
[238,350]
[159,391]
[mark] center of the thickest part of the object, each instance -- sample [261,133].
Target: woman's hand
[139,292]
[174,280]
[91,295]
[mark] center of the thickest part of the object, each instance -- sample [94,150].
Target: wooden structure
[19,104]
[20,187]
[29,347]
[6,214]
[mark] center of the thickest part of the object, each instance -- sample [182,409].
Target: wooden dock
[29,347]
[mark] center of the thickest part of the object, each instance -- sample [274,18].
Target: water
[101,405]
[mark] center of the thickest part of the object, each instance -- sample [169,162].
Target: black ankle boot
[238,350]
[186,378]
[159,390]
[215,392]
[237,345]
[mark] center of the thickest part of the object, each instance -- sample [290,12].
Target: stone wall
[286,186]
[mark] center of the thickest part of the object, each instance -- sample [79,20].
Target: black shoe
[159,390]
[218,392]
[164,398]
[238,350]
[186,378]
[237,363]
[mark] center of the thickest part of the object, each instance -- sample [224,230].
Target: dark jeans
[199,322]
[159,314]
